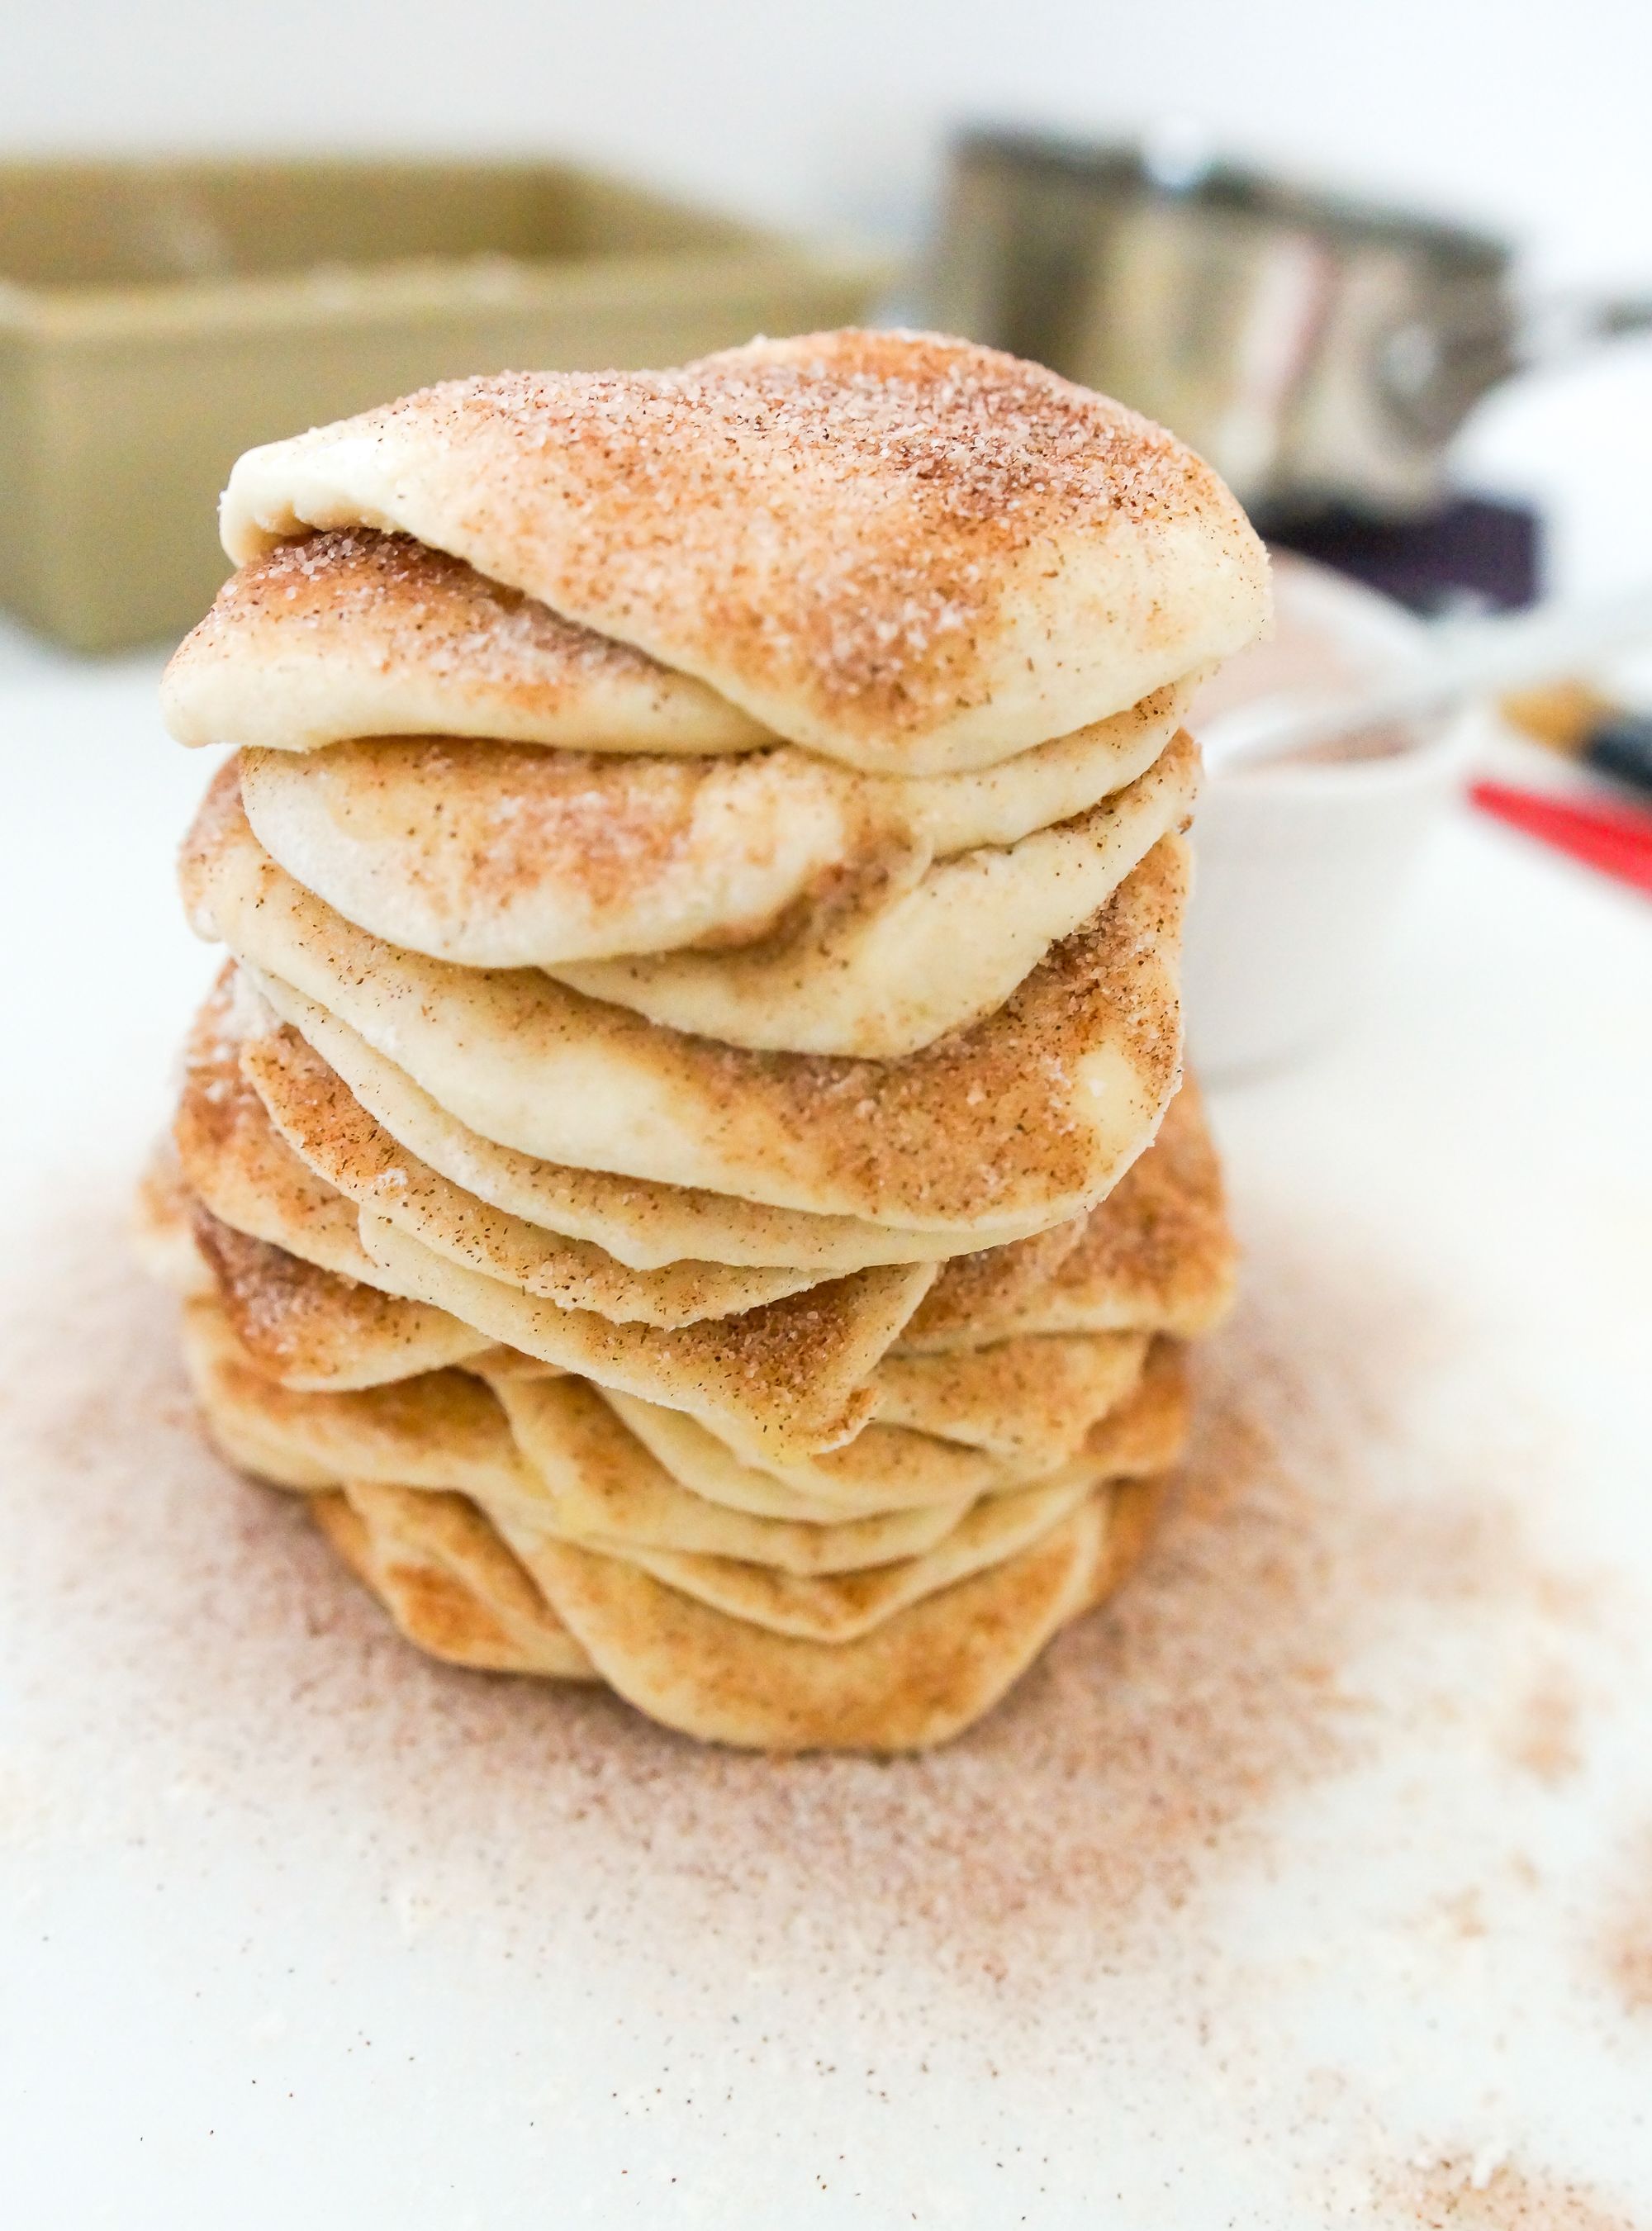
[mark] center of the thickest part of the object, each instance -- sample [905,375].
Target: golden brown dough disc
[501,854]
[365,634]
[448,1582]
[238,1168]
[1034,1113]
[310,1329]
[642,1224]
[906,551]
[346,1148]
[786,1379]
[883,1468]
[882,970]
[1146,1433]
[1028,1401]
[918,1679]
[438,1429]
[600,1486]
[846,1607]
[1157,1253]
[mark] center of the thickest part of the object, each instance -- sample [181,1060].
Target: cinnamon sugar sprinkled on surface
[479,823]
[183,1624]
[299,1321]
[1627,1946]
[359,633]
[1544,1733]
[1632,1963]
[1454,2196]
[1161,1237]
[1153,1736]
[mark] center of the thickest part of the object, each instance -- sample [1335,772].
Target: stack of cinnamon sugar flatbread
[683,1166]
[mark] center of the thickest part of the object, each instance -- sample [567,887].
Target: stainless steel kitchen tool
[1317,349]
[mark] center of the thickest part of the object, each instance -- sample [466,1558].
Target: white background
[1528,115]
[1529,112]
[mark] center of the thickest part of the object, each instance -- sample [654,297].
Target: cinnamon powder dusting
[1626,1945]
[1543,1735]
[1454,2196]
[1152,1743]
[182,1622]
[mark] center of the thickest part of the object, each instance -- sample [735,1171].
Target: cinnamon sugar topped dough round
[1032,1113]
[359,1164]
[902,550]
[1157,1253]
[641,1223]
[493,853]
[363,634]
[309,1328]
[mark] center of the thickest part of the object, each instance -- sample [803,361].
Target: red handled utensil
[1616,839]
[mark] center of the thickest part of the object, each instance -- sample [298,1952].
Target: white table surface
[1311,1886]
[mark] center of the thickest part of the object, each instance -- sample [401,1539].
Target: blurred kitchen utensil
[1299,866]
[1317,349]
[1455,661]
[1616,839]
[157,318]
[1583,723]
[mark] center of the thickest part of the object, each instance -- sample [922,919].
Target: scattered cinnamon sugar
[1455,2196]
[1627,1940]
[1543,1735]
[474,829]
[174,1625]
[1154,1740]
[1632,1963]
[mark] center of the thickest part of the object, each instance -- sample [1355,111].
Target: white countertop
[1312,1886]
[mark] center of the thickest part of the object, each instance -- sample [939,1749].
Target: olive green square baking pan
[157,318]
